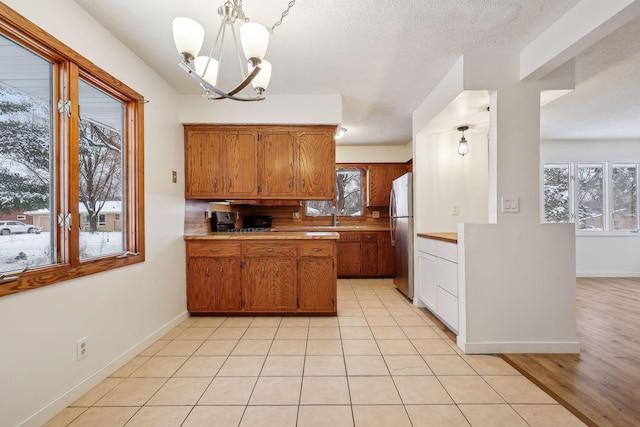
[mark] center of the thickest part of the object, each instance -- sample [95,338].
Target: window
[70,151]
[349,196]
[606,196]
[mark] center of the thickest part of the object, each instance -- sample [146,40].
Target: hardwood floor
[601,385]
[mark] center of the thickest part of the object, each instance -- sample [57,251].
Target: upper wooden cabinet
[316,150]
[278,171]
[379,180]
[203,163]
[259,162]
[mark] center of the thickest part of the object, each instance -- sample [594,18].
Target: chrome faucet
[334,211]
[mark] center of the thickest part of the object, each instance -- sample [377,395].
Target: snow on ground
[18,251]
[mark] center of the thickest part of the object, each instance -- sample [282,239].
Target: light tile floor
[379,363]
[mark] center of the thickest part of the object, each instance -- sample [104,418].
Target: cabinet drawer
[426,245]
[349,236]
[369,237]
[447,250]
[209,249]
[316,249]
[448,309]
[269,249]
[447,275]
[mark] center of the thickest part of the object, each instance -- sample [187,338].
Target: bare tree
[100,160]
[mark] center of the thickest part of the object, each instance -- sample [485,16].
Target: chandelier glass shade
[254,38]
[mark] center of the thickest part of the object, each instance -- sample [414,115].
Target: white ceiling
[385,56]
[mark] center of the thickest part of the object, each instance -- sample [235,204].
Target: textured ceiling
[382,56]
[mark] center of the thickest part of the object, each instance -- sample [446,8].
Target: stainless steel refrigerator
[401,228]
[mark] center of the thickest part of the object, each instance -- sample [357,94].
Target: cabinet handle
[277,270]
[289,182]
[269,249]
[221,271]
[229,182]
[315,249]
[262,270]
[206,271]
[303,184]
[215,183]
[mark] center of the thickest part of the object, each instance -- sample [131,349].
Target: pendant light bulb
[463,146]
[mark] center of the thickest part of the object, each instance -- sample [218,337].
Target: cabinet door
[385,254]
[316,164]
[270,284]
[348,259]
[277,154]
[427,283]
[380,179]
[241,163]
[203,175]
[213,284]
[369,256]
[316,284]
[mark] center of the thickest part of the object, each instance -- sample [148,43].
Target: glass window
[349,200]
[26,147]
[70,159]
[100,162]
[556,186]
[591,197]
[624,212]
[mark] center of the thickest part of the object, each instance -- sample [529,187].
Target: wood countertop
[265,235]
[330,228]
[444,237]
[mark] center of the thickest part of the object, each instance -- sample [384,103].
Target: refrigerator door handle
[392,224]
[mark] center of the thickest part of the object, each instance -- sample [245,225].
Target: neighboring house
[17,216]
[109,218]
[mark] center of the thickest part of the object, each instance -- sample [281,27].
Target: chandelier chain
[241,15]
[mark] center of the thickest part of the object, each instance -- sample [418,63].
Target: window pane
[591,197]
[557,206]
[25,159]
[319,208]
[100,166]
[349,194]
[625,197]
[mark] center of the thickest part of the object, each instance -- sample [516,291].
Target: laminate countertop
[444,237]
[265,235]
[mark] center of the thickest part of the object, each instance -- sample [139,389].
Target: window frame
[608,196]
[68,67]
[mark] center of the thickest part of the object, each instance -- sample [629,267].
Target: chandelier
[188,36]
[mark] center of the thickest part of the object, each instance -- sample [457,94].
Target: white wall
[120,311]
[514,268]
[600,255]
[373,153]
[445,180]
[275,109]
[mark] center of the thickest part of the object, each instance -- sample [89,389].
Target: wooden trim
[68,67]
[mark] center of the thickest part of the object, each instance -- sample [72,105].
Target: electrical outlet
[81,348]
[296,215]
[375,214]
[455,210]
[174,176]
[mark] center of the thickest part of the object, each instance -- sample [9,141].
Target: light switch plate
[510,204]
[375,214]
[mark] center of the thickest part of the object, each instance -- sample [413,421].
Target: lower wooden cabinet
[271,284]
[214,284]
[261,277]
[317,285]
[365,254]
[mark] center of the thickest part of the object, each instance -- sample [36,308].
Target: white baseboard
[569,347]
[74,393]
[608,274]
